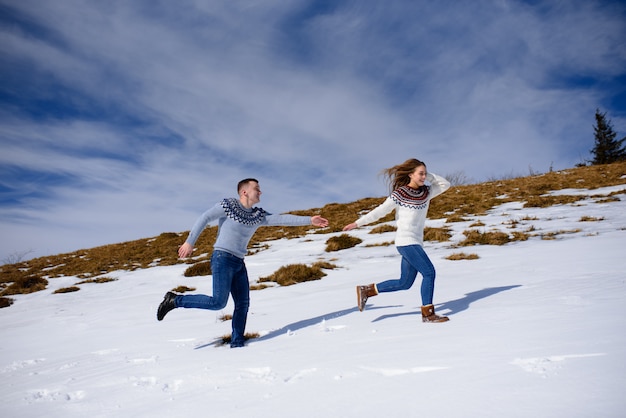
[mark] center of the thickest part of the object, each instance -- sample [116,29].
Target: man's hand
[185,250]
[319,221]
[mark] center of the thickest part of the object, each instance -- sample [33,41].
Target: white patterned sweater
[411,206]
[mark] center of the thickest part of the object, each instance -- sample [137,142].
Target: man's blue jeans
[414,260]
[229,276]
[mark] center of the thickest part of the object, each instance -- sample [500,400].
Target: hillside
[458,203]
[534,288]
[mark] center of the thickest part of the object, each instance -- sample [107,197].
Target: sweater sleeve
[438,184]
[378,212]
[210,215]
[287,220]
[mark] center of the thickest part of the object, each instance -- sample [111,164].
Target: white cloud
[164,106]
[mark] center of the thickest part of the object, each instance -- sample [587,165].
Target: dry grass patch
[437,234]
[380,244]
[293,274]
[475,237]
[608,200]
[183,289]
[5,302]
[226,339]
[98,280]
[67,289]
[225,317]
[199,269]
[456,218]
[590,219]
[462,256]
[381,229]
[258,286]
[547,201]
[519,236]
[341,242]
[553,235]
[25,285]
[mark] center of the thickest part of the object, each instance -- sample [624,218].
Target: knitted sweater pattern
[236,212]
[409,197]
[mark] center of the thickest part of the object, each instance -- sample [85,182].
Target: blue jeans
[414,260]
[229,276]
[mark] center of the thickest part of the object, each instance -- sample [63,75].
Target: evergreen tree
[607,149]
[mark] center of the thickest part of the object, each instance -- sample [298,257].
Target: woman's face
[418,176]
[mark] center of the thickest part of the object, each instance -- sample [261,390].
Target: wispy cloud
[125,119]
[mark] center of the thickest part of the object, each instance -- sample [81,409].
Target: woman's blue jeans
[229,276]
[414,260]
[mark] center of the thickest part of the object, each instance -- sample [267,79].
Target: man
[237,222]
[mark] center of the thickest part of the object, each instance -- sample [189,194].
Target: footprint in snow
[299,375]
[544,365]
[390,372]
[41,395]
[17,365]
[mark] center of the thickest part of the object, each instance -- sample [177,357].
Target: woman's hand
[350,226]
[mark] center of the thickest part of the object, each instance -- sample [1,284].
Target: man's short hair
[243,182]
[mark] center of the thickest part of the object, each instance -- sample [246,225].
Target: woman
[410,197]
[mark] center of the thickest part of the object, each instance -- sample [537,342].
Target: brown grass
[258,286]
[590,219]
[183,289]
[462,256]
[23,285]
[342,242]
[381,229]
[199,269]
[555,234]
[293,274]
[380,244]
[226,339]
[98,280]
[5,302]
[476,237]
[67,289]
[437,234]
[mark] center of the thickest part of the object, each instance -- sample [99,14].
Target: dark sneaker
[169,303]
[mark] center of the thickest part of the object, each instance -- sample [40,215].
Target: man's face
[252,191]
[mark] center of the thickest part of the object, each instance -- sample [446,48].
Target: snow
[536,329]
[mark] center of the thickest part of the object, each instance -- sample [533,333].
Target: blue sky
[120,120]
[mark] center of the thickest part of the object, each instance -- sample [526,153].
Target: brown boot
[428,315]
[364,292]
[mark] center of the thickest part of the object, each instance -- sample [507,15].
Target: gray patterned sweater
[236,225]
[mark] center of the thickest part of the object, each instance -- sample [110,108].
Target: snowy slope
[536,329]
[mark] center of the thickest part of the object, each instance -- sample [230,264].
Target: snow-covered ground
[536,330]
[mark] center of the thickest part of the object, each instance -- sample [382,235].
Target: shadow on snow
[458,305]
[451,307]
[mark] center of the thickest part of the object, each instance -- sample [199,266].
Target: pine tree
[607,149]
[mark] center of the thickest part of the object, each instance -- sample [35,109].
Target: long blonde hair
[398,175]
